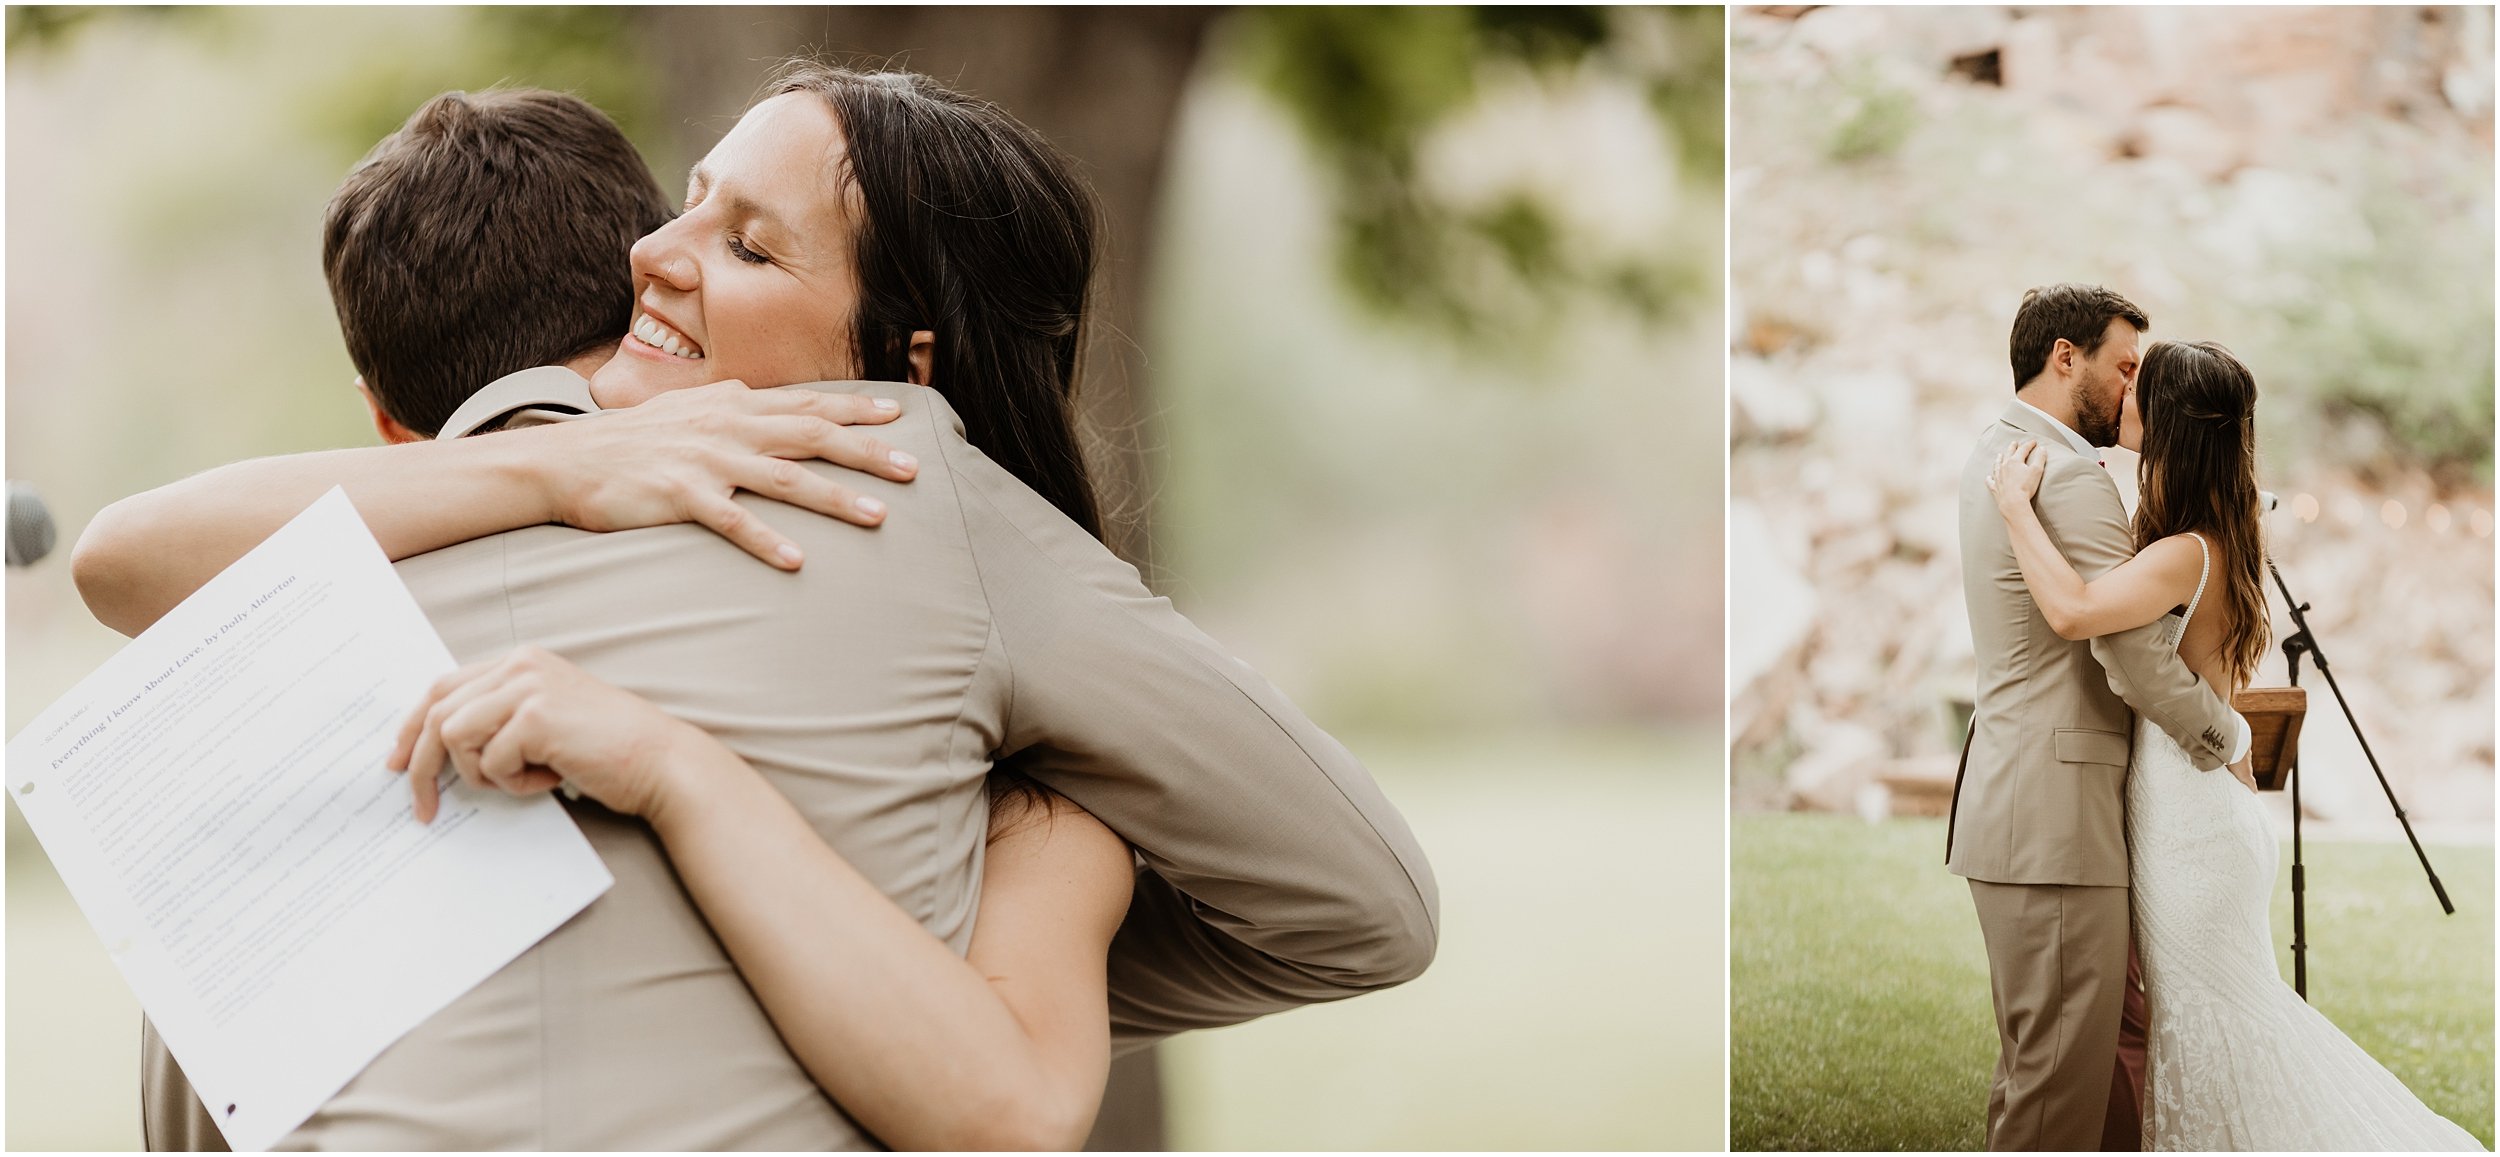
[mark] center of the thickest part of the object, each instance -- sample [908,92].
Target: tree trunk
[1104,84]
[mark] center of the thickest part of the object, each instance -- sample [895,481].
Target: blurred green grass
[1576,1003]
[1861,1016]
[1578,999]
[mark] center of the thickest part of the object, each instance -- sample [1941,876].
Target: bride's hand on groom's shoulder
[680,456]
[529,720]
[2017,473]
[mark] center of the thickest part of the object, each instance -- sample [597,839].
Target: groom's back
[2041,794]
[855,685]
[844,683]
[487,236]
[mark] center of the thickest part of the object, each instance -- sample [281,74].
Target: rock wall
[2311,187]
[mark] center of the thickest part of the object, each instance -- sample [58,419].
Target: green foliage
[1526,238]
[42,27]
[2399,334]
[1861,1016]
[1369,85]
[1875,119]
[594,53]
[1366,82]
[1689,90]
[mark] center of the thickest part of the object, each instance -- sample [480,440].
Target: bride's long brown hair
[2199,473]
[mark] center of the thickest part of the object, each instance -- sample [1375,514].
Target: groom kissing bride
[2098,840]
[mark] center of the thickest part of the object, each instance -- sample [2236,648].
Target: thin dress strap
[2201,576]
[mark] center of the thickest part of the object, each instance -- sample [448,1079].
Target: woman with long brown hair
[2235,1059]
[875,230]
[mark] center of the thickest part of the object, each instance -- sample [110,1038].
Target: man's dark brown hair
[2078,313]
[490,234]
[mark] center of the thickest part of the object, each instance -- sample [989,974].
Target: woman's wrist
[528,466]
[691,776]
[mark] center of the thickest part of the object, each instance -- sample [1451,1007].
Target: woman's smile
[759,264]
[652,336]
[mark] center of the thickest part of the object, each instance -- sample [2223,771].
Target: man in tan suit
[2038,821]
[875,687]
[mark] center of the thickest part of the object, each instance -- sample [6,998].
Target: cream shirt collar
[530,397]
[2073,439]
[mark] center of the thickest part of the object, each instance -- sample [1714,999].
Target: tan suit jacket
[877,687]
[2042,794]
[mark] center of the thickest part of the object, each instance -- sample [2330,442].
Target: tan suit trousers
[2057,968]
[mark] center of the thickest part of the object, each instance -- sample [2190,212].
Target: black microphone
[30,525]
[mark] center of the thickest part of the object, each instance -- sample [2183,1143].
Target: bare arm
[676,458]
[146,553]
[2079,508]
[1007,1048]
[2135,592]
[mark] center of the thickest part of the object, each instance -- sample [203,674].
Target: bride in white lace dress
[2235,1060]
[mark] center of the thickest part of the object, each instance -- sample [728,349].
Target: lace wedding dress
[2236,1060]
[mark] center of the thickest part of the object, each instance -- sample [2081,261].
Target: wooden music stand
[2274,715]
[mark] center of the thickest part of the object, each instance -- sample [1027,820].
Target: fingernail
[902,460]
[871,506]
[788,554]
[888,405]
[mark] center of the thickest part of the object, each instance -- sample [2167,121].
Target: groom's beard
[2096,418]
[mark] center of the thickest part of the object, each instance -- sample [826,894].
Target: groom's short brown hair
[2078,313]
[488,235]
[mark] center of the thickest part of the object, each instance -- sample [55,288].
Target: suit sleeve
[1278,874]
[2079,505]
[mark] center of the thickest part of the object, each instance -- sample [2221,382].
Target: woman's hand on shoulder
[529,720]
[2017,473]
[680,456]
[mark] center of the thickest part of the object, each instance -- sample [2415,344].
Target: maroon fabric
[2123,1130]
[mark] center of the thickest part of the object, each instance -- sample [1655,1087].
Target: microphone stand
[2301,642]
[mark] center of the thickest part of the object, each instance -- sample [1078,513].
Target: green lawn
[1577,1000]
[1861,1016]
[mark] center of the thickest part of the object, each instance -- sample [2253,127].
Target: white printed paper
[215,798]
